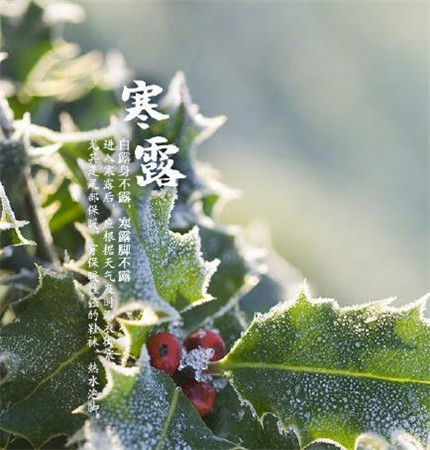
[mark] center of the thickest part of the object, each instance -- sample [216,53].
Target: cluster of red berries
[165,351]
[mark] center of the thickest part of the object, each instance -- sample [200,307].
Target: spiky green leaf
[8,221]
[168,270]
[141,408]
[44,356]
[334,372]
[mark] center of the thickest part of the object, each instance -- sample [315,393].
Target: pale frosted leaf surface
[334,372]
[141,290]
[180,273]
[141,408]
[168,271]
[8,220]
[187,128]
[45,356]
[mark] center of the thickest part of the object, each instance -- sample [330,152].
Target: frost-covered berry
[206,339]
[165,352]
[201,395]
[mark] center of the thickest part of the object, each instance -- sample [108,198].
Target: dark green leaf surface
[45,356]
[13,160]
[235,422]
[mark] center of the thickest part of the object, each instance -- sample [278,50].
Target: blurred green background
[327,134]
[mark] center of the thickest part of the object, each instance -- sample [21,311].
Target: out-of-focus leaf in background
[327,123]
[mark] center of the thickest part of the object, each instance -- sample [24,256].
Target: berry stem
[215,369]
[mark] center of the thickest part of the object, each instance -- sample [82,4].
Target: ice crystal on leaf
[336,372]
[8,221]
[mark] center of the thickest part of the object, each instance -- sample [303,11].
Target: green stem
[215,368]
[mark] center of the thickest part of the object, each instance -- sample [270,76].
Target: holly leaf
[168,272]
[136,330]
[44,359]
[180,273]
[142,408]
[335,373]
[187,128]
[235,421]
[201,195]
[8,221]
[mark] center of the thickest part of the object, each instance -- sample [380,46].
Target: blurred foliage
[327,117]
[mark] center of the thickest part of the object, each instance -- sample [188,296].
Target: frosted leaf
[63,73]
[168,272]
[181,275]
[8,220]
[331,387]
[187,128]
[199,194]
[141,408]
[45,354]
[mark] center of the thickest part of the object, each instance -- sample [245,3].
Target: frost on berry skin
[141,408]
[201,395]
[165,352]
[195,362]
[334,372]
[206,339]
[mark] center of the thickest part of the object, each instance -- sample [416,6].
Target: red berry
[165,352]
[206,339]
[201,395]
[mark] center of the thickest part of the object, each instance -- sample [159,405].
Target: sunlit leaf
[334,372]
